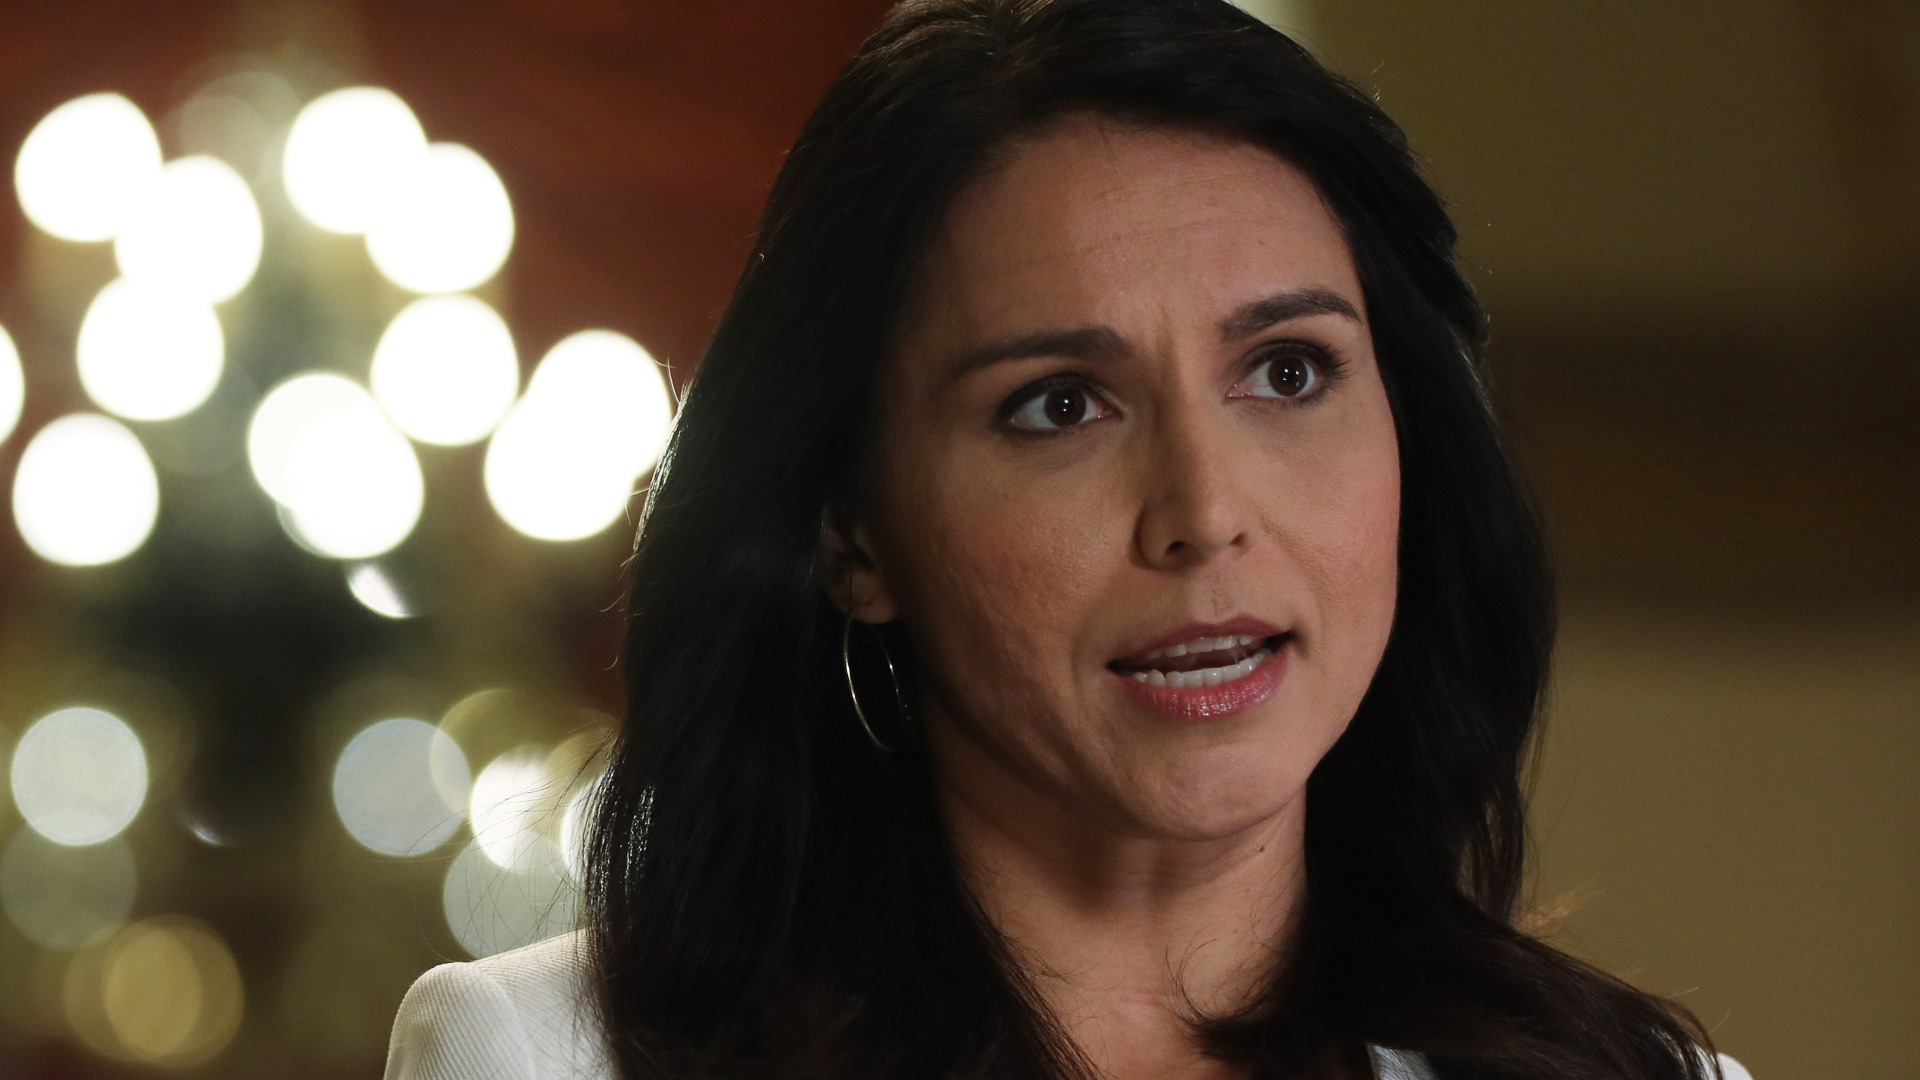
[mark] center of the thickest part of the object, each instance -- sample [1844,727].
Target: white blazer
[521,1016]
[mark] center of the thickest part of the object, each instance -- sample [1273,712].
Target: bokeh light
[350,484]
[607,378]
[595,416]
[195,230]
[446,226]
[163,991]
[345,154]
[512,800]
[376,591]
[495,720]
[579,764]
[284,518]
[149,995]
[576,827]
[13,385]
[281,419]
[148,353]
[356,486]
[85,165]
[399,787]
[66,898]
[234,118]
[85,492]
[445,370]
[491,909]
[79,776]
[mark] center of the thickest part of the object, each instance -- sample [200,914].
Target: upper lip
[1239,626]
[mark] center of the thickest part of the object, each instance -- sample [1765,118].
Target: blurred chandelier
[268,328]
[332,446]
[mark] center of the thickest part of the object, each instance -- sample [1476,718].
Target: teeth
[1192,680]
[1205,644]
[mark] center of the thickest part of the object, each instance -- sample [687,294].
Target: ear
[849,570]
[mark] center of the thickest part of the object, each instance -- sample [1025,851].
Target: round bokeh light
[65,898]
[85,165]
[79,776]
[194,230]
[85,492]
[512,799]
[447,225]
[148,353]
[345,154]
[576,826]
[491,909]
[399,787]
[356,488]
[446,370]
[595,417]
[350,484]
[281,419]
[163,991]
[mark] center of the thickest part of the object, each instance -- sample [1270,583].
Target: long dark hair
[769,896]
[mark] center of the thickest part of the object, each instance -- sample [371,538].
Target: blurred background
[338,334]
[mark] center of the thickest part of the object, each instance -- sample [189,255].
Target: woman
[1086,624]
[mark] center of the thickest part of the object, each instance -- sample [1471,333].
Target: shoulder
[1731,1069]
[520,1015]
[1404,1065]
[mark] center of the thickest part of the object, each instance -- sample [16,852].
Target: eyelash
[1328,370]
[1027,394]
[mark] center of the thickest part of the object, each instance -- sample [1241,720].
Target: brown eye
[1064,407]
[1055,408]
[1290,376]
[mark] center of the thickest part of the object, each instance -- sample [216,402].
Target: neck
[1127,937]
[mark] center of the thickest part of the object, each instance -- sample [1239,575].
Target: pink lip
[1211,702]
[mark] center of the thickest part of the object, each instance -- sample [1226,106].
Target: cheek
[1349,552]
[992,576]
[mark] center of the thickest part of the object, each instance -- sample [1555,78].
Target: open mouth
[1204,661]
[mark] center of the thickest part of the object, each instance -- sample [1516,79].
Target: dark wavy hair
[770,896]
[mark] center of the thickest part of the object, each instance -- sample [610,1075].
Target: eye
[1054,405]
[1294,373]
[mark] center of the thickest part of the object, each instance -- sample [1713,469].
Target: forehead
[1096,216]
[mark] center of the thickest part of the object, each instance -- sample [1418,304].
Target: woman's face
[1138,492]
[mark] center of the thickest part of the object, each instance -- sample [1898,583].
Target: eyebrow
[1084,343]
[1104,343]
[1300,303]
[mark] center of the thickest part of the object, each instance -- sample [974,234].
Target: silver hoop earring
[893,676]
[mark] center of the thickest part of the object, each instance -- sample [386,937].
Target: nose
[1192,510]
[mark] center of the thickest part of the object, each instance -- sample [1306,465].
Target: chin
[1219,793]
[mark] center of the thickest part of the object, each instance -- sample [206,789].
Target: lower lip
[1211,702]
